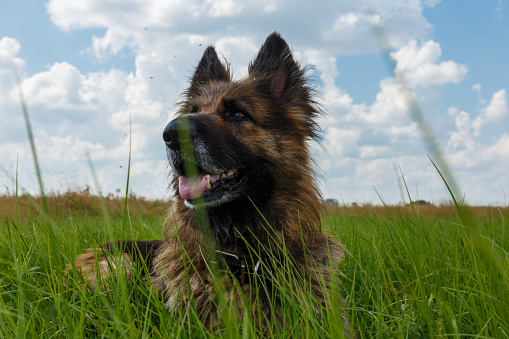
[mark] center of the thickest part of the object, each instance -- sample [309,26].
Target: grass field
[414,272]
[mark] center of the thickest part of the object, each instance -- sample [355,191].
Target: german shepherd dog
[245,193]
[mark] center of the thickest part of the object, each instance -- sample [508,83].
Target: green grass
[406,277]
[412,277]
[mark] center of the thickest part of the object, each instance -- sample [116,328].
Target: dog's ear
[275,63]
[275,69]
[210,68]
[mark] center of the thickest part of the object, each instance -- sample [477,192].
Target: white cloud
[228,47]
[111,43]
[10,64]
[478,89]
[480,163]
[345,25]
[59,87]
[352,25]
[223,8]
[369,137]
[72,113]
[389,107]
[375,172]
[55,148]
[421,66]
[342,143]
[270,8]
[495,111]
[461,138]
[346,21]
[95,13]
[9,49]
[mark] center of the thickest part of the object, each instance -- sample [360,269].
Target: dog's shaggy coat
[240,155]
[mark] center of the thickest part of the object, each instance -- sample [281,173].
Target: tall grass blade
[413,105]
[395,167]
[125,211]
[48,222]
[32,143]
[97,188]
[495,259]
[19,267]
[191,170]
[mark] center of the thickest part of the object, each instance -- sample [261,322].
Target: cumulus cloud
[9,61]
[352,26]
[10,64]
[494,112]
[371,137]
[111,43]
[73,113]
[497,109]
[223,8]
[345,25]
[481,162]
[59,87]
[420,65]
[229,49]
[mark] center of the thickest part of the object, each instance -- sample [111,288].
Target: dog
[246,198]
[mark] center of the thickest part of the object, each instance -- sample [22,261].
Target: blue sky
[86,67]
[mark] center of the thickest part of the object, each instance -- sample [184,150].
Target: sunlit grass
[422,277]
[407,276]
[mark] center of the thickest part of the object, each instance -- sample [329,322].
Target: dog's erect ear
[209,69]
[275,62]
[275,69]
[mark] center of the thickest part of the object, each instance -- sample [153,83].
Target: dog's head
[241,140]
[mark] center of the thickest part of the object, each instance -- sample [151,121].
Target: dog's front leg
[102,261]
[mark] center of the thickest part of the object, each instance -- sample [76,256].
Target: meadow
[415,271]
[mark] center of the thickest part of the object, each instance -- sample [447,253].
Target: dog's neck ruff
[240,267]
[247,270]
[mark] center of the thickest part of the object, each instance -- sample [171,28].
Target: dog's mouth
[210,188]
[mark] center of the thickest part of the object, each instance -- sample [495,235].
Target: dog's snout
[178,131]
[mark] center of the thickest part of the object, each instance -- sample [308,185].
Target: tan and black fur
[250,139]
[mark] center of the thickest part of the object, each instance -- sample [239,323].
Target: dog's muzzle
[199,161]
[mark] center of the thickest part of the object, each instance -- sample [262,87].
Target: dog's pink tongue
[193,188]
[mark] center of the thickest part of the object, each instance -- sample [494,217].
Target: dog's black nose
[170,133]
[178,131]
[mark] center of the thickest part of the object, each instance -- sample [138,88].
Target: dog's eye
[192,109]
[239,115]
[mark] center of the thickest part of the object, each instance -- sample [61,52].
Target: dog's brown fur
[261,125]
